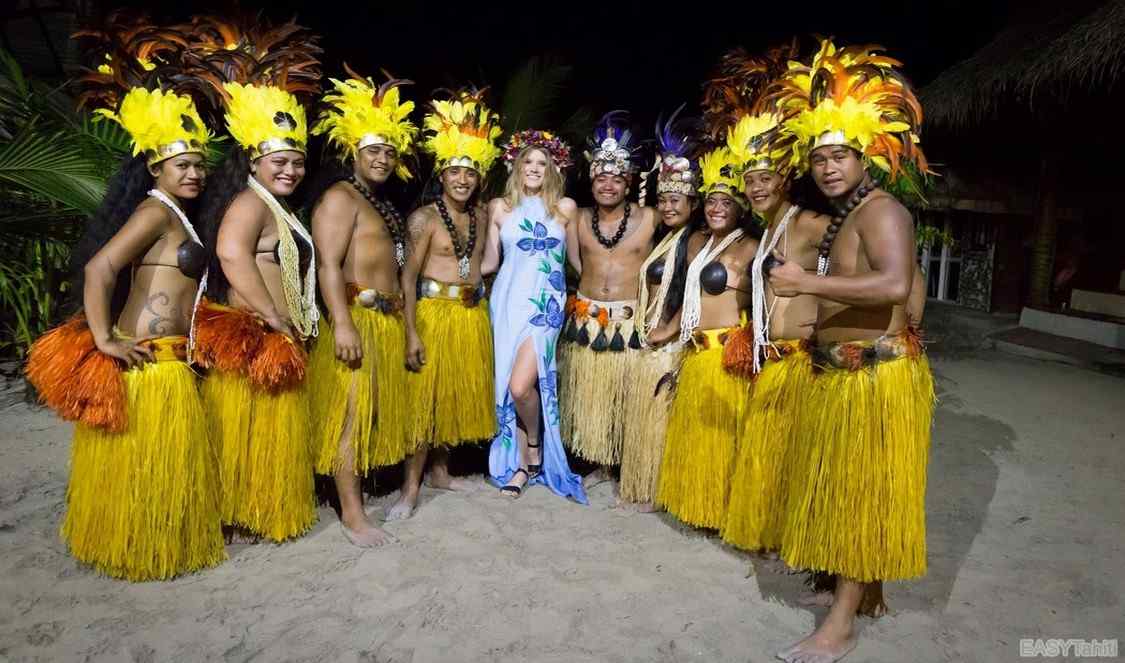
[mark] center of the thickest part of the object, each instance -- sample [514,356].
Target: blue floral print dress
[527,303]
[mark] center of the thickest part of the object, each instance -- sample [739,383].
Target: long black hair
[127,189]
[804,193]
[330,172]
[222,187]
[674,299]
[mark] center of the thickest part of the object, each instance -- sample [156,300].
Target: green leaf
[532,93]
[12,73]
[49,167]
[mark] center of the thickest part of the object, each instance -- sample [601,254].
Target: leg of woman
[524,385]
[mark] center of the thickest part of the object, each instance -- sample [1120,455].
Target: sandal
[515,491]
[537,468]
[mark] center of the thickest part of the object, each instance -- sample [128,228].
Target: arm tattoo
[161,325]
[417,225]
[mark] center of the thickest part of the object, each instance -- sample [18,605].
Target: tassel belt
[585,308]
[610,317]
[384,302]
[857,355]
[469,295]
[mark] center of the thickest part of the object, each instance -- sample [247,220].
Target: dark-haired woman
[142,498]
[263,273]
[707,411]
[660,296]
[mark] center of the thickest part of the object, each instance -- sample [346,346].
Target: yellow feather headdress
[143,83]
[259,68]
[462,132]
[760,142]
[719,170]
[161,124]
[265,119]
[854,97]
[360,115]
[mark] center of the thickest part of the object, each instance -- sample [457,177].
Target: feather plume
[854,96]
[738,86]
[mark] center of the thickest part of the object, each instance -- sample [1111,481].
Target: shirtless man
[861,515]
[448,333]
[606,247]
[756,514]
[359,365]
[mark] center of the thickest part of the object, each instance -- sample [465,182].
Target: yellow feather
[462,129]
[353,114]
[253,114]
[157,119]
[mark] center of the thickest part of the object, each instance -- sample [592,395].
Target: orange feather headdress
[857,97]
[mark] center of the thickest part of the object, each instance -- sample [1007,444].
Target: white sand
[1025,536]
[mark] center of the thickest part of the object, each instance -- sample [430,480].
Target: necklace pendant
[463,267]
[400,254]
[822,266]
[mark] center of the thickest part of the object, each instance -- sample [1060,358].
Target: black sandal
[537,468]
[516,491]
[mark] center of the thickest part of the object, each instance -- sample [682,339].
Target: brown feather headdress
[739,85]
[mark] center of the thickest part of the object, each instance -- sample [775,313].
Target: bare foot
[872,604]
[768,561]
[361,532]
[236,535]
[595,478]
[816,599]
[449,482]
[403,508]
[639,507]
[827,644]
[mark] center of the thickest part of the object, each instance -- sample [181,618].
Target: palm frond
[533,93]
[50,167]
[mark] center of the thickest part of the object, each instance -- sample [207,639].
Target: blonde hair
[552,191]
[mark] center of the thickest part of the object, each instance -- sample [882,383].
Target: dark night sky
[646,57]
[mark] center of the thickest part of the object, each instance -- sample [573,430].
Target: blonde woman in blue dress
[527,242]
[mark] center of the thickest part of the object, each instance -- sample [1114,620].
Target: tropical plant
[931,237]
[531,99]
[54,165]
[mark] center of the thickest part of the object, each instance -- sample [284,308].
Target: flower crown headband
[554,146]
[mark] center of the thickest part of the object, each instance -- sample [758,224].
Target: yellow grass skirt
[701,442]
[647,419]
[756,512]
[367,399]
[452,397]
[595,393]
[265,455]
[857,490]
[142,504]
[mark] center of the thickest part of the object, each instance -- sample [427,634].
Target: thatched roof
[1055,57]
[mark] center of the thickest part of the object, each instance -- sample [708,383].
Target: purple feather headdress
[678,143]
[611,148]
